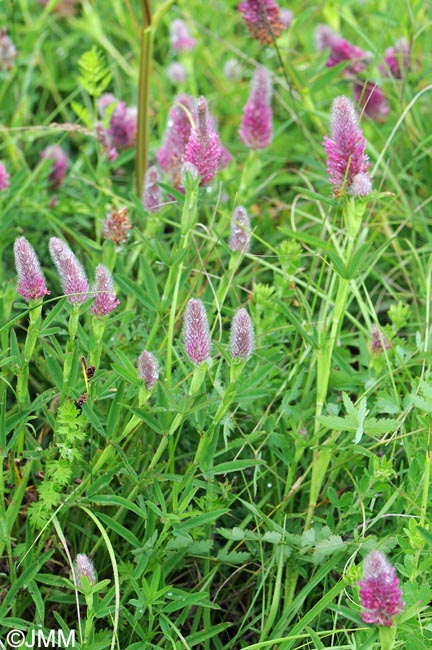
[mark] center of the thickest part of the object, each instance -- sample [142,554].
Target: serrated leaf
[94,74]
[272,536]
[329,546]
[83,113]
[233,557]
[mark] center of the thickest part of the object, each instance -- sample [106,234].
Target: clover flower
[181,40]
[203,148]
[242,340]
[196,332]
[178,130]
[378,341]
[262,19]
[380,594]
[256,126]
[116,226]
[340,50]
[240,230]
[123,126]
[31,281]
[148,369]
[70,270]
[396,59]
[152,196]
[176,73]
[4,177]
[83,567]
[346,158]
[59,164]
[103,290]
[371,99]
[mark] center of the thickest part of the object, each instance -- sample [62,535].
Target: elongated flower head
[203,148]
[4,177]
[117,225]
[371,99]
[178,130]
[345,149]
[148,369]
[123,126]
[152,195]
[83,566]
[31,281]
[103,289]
[240,230]
[70,270]
[380,594]
[340,50]
[262,19]
[242,342]
[176,72]
[59,159]
[256,126]
[7,51]
[181,40]
[196,332]
[396,59]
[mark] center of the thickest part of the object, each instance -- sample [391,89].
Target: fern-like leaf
[95,76]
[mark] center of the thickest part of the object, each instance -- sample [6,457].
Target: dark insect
[88,372]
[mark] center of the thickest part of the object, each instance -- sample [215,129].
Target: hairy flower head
[240,230]
[242,341]
[203,148]
[371,99]
[83,567]
[196,332]
[262,19]
[380,594]
[31,281]
[152,196]
[103,290]
[340,50]
[70,270]
[59,159]
[256,126]
[181,40]
[148,369]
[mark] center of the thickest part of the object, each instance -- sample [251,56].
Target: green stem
[70,350]
[387,637]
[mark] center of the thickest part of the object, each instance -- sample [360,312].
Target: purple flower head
[148,369]
[256,126]
[104,102]
[7,51]
[378,341]
[196,332]
[103,289]
[240,230]
[102,136]
[152,196]
[203,148]
[345,149]
[286,17]
[83,567]
[340,50]
[4,177]
[59,164]
[242,341]
[262,19]
[123,126]
[70,270]
[396,59]
[31,281]
[371,99]
[116,226]
[178,130]
[181,40]
[176,73]
[380,595]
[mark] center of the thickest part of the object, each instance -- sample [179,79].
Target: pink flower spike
[59,164]
[345,149]
[103,289]
[256,126]
[242,342]
[123,126]
[83,567]
[340,50]
[116,226]
[104,102]
[396,59]
[4,177]
[179,126]
[196,332]
[203,148]
[181,40]
[380,594]
[148,369]
[262,19]
[70,270]
[31,281]
[240,230]
[152,196]
[371,99]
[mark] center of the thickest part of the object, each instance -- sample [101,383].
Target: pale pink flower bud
[7,51]
[176,73]
[242,341]
[371,99]
[83,567]
[196,332]
[59,164]
[181,40]
[70,270]
[346,157]
[396,59]
[240,230]
[262,19]
[380,594]
[148,369]
[152,195]
[203,148]
[103,289]
[286,17]
[31,281]
[117,225]
[4,177]
[256,126]
[361,185]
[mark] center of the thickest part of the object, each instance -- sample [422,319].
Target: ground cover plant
[215,300]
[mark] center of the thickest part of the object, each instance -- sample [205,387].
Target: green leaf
[95,76]
[233,557]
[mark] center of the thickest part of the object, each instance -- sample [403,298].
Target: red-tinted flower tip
[196,332]
[152,196]
[256,126]
[396,59]
[346,157]
[371,99]
[103,290]
[176,73]
[203,148]
[70,270]
[7,51]
[262,19]
[240,230]
[242,342]
[59,164]
[31,281]
[83,567]
[123,126]
[378,341]
[178,130]
[148,369]
[4,177]
[116,226]
[340,50]
[181,40]
[286,17]
[380,595]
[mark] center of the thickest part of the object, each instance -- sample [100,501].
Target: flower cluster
[59,164]
[117,225]
[396,59]
[152,198]
[4,177]
[122,128]
[84,568]
[180,39]
[256,126]
[240,230]
[148,369]
[380,594]
[263,19]
[103,291]
[31,280]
